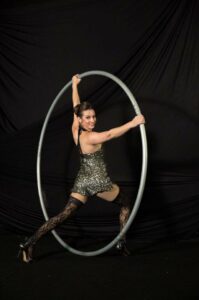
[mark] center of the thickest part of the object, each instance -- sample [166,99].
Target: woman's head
[86,115]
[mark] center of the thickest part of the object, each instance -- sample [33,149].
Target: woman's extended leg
[72,205]
[117,196]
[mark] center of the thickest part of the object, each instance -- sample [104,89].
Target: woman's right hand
[76,79]
[138,120]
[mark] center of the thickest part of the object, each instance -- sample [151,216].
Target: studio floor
[154,270]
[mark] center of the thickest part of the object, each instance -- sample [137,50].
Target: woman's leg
[125,208]
[117,196]
[72,205]
[111,195]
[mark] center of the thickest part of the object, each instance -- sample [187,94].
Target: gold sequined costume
[92,177]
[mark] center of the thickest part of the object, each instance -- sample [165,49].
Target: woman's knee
[122,199]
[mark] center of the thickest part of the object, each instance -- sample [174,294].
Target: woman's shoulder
[88,136]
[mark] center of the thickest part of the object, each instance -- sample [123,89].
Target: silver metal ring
[143,169]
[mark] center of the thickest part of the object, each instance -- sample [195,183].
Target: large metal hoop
[143,169]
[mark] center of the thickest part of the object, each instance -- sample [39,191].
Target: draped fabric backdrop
[153,46]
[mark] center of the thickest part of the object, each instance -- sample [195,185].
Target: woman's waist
[92,165]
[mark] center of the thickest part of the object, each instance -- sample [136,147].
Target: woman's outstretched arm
[98,138]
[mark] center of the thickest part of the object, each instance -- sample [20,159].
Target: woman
[92,178]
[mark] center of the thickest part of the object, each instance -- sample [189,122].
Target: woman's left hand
[138,120]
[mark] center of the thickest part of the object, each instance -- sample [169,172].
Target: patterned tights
[125,207]
[71,206]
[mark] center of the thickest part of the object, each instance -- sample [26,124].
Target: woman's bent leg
[125,207]
[118,197]
[110,195]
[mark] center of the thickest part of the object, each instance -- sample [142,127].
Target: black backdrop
[153,47]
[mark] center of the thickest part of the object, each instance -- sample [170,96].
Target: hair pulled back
[80,108]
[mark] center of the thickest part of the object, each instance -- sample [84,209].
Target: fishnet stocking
[123,218]
[124,202]
[53,222]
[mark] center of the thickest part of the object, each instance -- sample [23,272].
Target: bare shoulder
[94,137]
[90,134]
[88,141]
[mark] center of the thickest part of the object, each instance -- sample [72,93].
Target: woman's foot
[122,248]
[25,251]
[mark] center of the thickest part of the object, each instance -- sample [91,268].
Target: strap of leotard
[78,143]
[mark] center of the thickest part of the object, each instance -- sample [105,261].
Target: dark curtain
[153,46]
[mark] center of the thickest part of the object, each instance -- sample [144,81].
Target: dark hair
[79,108]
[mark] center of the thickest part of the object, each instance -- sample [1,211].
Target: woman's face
[88,119]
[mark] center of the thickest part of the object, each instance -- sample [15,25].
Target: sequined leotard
[92,177]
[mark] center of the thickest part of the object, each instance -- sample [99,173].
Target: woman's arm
[76,100]
[98,138]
